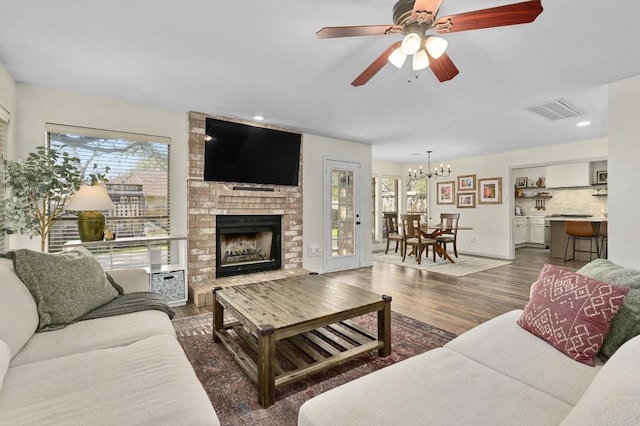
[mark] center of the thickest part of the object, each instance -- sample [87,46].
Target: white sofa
[120,370]
[495,374]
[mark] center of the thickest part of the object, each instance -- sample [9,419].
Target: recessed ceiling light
[583,123]
[258,117]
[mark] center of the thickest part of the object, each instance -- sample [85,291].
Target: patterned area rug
[464,265]
[234,396]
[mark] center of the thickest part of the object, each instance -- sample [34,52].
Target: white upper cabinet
[568,175]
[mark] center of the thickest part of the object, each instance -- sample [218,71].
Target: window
[138,180]
[4,121]
[417,196]
[385,199]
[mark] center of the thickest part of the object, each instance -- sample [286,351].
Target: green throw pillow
[65,285]
[626,324]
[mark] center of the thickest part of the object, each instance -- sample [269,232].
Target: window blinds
[138,179]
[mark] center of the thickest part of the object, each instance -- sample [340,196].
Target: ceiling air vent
[555,110]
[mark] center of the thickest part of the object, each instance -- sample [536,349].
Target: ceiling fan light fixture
[420,60]
[436,46]
[397,58]
[411,43]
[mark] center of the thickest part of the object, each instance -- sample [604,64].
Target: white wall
[36,106]
[624,152]
[315,150]
[492,222]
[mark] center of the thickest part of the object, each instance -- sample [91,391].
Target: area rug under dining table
[235,397]
[464,265]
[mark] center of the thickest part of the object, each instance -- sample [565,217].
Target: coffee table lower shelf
[302,355]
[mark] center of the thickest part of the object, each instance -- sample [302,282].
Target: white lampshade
[92,197]
[411,43]
[397,58]
[420,60]
[436,46]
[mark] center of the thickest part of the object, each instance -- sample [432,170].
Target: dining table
[434,231]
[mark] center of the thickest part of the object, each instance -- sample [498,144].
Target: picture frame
[445,192]
[601,176]
[490,190]
[466,183]
[522,182]
[466,200]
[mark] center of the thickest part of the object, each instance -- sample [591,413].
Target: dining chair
[580,230]
[414,238]
[393,230]
[449,233]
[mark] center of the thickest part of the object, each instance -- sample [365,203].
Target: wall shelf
[600,189]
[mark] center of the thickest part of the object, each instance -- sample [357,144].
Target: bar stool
[580,230]
[604,240]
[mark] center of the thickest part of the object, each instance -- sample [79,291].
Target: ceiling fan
[415,18]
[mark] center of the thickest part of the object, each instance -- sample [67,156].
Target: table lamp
[88,200]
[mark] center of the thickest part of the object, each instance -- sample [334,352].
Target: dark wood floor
[455,304]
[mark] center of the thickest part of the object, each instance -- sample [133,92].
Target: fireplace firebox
[246,244]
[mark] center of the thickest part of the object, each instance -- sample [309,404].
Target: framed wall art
[490,190]
[445,192]
[467,183]
[521,182]
[601,176]
[466,200]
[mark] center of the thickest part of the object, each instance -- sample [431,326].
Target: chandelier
[416,175]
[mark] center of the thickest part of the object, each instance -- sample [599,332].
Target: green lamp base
[91,226]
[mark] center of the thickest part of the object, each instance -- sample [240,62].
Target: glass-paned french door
[343,215]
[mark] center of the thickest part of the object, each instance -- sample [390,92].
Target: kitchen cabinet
[520,230]
[536,230]
[568,175]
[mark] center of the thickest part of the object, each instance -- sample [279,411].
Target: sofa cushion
[612,398]
[626,323]
[437,387]
[5,359]
[149,382]
[571,311]
[504,346]
[18,312]
[100,333]
[65,285]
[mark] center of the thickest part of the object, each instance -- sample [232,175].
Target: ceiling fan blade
[375,66]
[511,14]
[443,67]
[425,10]
[358,30]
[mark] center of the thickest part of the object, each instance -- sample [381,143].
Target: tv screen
[241,153]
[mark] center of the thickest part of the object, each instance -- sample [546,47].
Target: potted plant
[40,187]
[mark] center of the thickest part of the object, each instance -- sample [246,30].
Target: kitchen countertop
[588,219]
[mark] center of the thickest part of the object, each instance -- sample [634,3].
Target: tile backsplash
[567,201]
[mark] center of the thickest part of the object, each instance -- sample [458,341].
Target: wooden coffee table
[290,328]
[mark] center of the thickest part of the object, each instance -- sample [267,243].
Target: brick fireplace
[207,200]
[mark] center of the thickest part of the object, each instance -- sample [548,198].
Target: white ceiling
[242,58]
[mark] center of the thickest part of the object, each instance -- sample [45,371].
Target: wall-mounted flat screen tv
[241,153]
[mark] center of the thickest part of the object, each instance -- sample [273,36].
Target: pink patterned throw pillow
[571,311]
